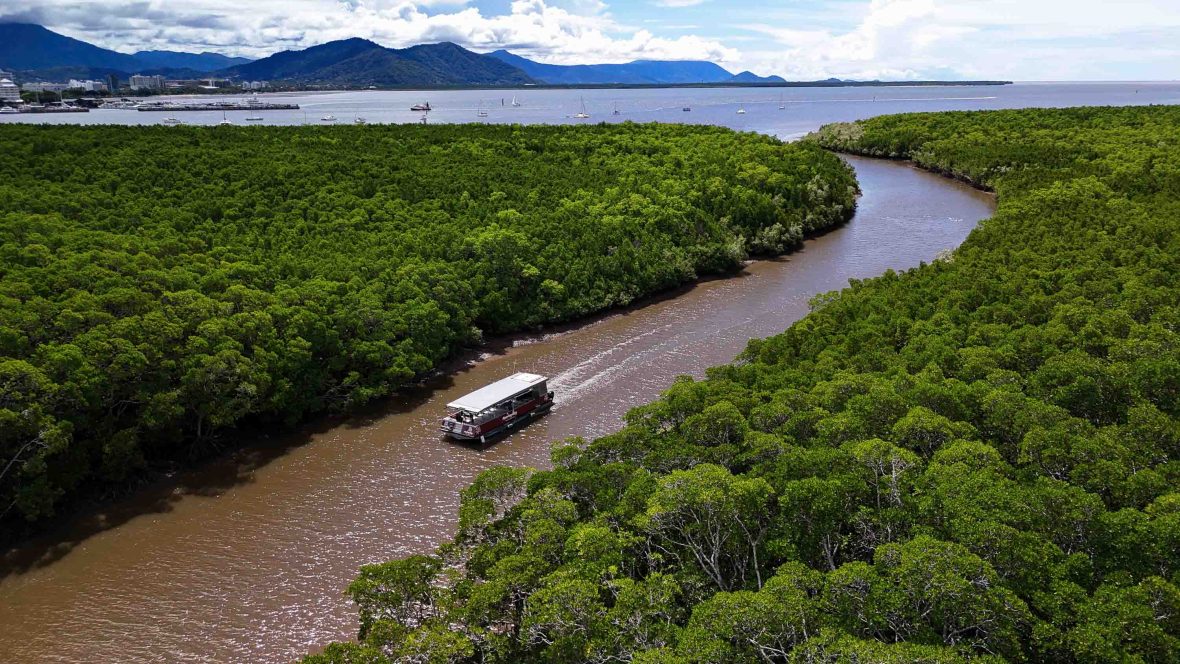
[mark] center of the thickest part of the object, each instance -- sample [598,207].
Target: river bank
[244,559]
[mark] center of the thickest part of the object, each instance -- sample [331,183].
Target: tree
[717,519]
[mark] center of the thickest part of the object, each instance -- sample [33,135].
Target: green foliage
[159,285]
[974,460]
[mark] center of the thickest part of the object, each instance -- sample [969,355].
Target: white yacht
[582,115]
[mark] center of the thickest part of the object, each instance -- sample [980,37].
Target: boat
[516,103]
[741,111]
[687,109]
[328,118]
[225,121]
[421,107]
[171,120]
[583,114]
[360,121]
[480,113]
[782,103]
[8,109]
[254,118]
[424,118]
[616,111]
[498,408]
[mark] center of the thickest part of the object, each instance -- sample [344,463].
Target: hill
[201,62]
[360,62]
[751,77]
[40,53]
[28,46]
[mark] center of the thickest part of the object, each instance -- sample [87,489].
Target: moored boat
[582,115]
[498,408]
[421,107]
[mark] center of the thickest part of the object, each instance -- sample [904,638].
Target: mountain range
[37,53]
[361,63]
[638,72]
[29,47]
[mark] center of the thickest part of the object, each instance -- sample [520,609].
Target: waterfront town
[80,95]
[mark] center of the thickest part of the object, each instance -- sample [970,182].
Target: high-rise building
[9,92]
[7,74]
[140,82]
[87,85]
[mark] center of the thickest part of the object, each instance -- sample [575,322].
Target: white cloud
[578,31]
[1017,39]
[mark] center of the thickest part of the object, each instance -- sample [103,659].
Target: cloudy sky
[894,39]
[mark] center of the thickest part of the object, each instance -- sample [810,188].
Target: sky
[800,40]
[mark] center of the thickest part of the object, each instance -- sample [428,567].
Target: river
[245,559]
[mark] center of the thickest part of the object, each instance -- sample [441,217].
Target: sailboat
[479,112]
[782,103]
[225,121]
[741,111]
[583,114]
[514,102]
[616,112]
[359,120]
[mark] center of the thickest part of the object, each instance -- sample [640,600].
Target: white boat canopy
[490,395]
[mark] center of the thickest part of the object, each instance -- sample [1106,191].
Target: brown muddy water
[245,560]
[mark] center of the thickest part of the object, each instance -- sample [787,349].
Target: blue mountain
[360,62]
[751,77]
[202,62]
[639,72]
[29,46]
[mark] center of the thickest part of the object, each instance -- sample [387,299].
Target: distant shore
[657,86]
[278,89]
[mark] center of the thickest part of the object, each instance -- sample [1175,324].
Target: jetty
[217,106]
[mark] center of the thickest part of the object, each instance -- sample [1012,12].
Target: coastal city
[80,95]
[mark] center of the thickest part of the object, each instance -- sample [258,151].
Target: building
[45,87]
[9,92]
[141,82]
[7,74]
[255,85]
[87,85]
